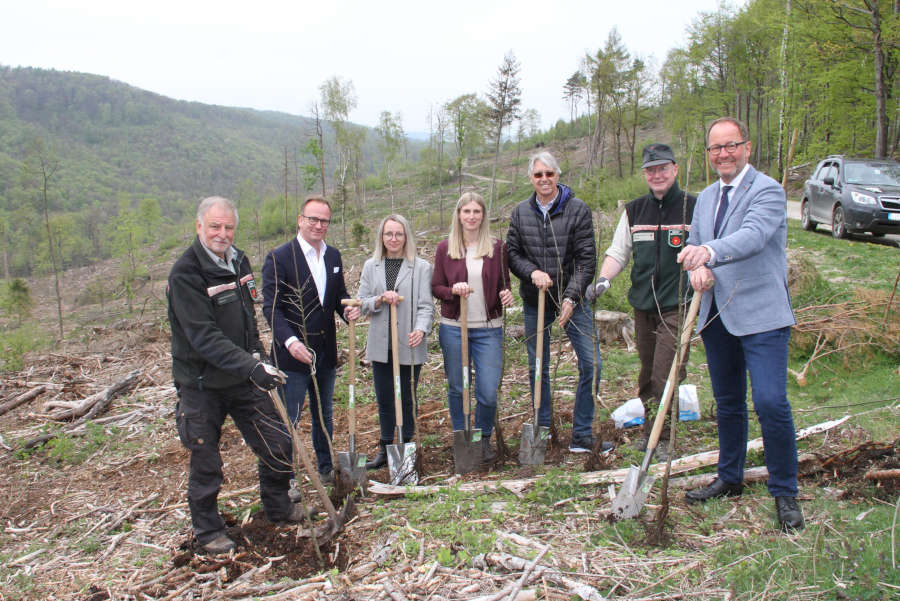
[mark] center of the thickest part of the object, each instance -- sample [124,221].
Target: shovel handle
[351,388]
[539,355]
[464,335]
[672,380]
[395,360]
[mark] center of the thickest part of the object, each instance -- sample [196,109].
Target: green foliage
[554,486]
[15,299]
[15,343]
[66,448]
[360,233]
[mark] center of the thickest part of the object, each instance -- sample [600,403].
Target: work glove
[595,291]
[266,377]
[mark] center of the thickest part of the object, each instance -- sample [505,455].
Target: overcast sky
[401,56]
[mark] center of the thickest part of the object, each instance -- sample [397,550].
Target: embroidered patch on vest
[676,238]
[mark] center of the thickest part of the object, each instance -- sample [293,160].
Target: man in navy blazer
[737,248]
[303,285]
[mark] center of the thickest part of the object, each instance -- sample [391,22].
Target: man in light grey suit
[737,247]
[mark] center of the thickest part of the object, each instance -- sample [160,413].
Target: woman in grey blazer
[395,271]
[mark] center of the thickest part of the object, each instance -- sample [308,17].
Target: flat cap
[657,154]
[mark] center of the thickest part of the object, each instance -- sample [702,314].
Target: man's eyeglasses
[393,235]
[317,221]
[731,147]
[657,169]
[542,174]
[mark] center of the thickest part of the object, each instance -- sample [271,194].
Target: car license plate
[893,216]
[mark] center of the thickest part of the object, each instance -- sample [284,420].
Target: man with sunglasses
[551,247]
[651,231]
[737,242]
[303,285]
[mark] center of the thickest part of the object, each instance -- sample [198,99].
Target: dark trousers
[383,377]
[655,337]
[764,355]
[199,416]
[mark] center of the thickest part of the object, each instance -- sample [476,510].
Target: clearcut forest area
[98,185]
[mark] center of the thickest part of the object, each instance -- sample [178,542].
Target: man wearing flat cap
[651,232]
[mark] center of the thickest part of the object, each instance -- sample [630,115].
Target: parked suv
[853,195]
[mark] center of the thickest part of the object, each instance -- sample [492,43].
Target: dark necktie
[723,208]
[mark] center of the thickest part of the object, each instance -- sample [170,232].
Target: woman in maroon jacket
[473,264]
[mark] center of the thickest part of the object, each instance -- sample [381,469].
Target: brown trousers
[655,338]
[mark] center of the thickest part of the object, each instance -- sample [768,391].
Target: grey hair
[207,203]
[546,158]
[409,248]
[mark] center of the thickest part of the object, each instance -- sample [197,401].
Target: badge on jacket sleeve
[676,238]
[250,282]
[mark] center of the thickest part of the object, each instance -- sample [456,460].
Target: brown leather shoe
[789,515]
[713,491]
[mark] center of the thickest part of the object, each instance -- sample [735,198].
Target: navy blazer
[292,308]
[750,268]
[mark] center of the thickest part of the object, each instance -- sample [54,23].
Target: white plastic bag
[688,403]
[629,414]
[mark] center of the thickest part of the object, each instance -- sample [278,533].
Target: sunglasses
[543,174]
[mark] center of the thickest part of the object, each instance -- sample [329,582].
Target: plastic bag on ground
[630,414]
[688,403]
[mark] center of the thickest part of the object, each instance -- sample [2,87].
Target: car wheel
[805,220]
[838,227]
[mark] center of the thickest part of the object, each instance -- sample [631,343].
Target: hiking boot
[488,454]
[581,444]
[380,459]
[219,545]
[327,478]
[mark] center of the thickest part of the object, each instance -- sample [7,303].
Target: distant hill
[112,139]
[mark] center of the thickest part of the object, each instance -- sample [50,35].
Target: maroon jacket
[447,271]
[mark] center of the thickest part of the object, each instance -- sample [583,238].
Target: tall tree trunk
[881,93]
[783,59]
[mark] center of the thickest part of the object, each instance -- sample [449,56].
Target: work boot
[380,459]
[488,454]
[219,545]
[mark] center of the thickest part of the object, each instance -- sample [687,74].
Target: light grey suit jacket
[414,284]
[750,265]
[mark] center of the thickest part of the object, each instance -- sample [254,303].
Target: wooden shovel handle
[539,354]
[464,337]
[395,359]
[672,381]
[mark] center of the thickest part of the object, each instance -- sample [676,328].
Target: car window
[877,174]
[822,171]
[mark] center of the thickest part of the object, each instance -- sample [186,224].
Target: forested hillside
[102,146]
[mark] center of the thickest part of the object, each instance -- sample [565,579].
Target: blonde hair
[409,243]
[456,244]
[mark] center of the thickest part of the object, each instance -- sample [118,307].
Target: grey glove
[267,377]
[595,291]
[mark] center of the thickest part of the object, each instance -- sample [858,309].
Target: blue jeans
[294,395]
[765,356]
[486,355]
[580,331]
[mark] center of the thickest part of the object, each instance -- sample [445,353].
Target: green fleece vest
[658,233]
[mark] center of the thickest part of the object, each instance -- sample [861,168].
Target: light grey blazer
[750,267]
[414,284]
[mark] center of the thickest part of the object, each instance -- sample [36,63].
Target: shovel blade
[533,446]
[632,494]
[466,450]
[353,466]
[402,464]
